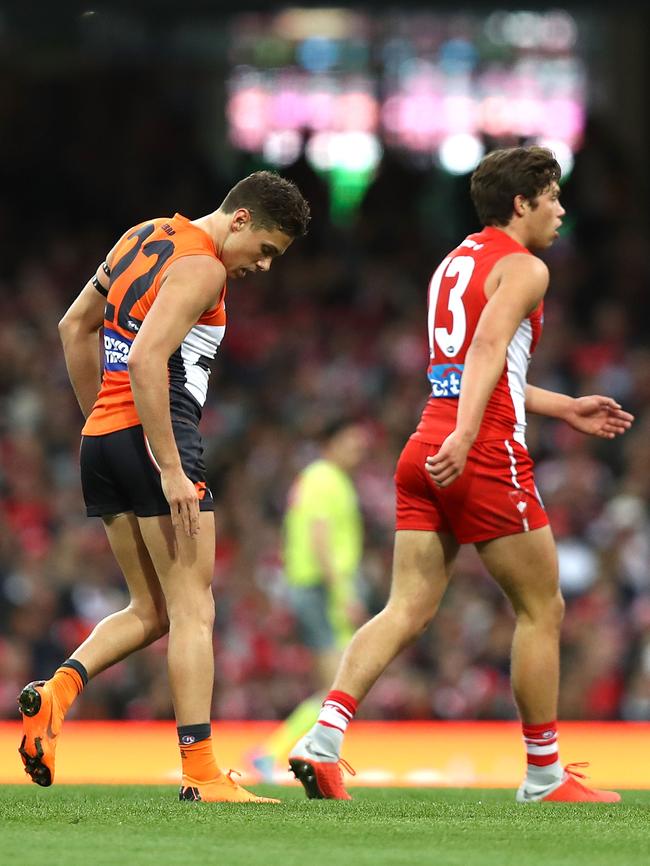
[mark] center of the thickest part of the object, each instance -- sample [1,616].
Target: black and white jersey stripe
[189,368]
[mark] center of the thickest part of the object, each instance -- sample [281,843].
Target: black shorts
[119,474]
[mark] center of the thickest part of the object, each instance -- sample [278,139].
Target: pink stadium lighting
[563,119]
[287,109]
[320,109]
[459,114]
[495,115]
[357,111]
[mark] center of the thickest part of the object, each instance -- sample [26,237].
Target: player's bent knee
[154,620]
[548,612]
[409,620]
[557,609]
[553,611]
[198,610]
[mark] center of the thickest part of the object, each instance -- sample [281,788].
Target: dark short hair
[511,171]
[273,201]
[331,428]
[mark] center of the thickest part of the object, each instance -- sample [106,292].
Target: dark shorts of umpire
[119,474]
[310,608]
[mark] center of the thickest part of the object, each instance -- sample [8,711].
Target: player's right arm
[521,283]
[79,331]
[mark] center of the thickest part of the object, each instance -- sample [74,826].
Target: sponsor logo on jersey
[116,351]
[445,380]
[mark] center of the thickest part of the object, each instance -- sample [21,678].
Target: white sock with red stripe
[337,711]
[543,766]
[325,739]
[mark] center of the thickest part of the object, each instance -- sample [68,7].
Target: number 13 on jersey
[445,342]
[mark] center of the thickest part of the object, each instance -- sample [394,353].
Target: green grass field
[129,826]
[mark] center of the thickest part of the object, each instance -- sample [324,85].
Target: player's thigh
[184,565]
[418,505]
[525,566]
[131,553]
[422,563]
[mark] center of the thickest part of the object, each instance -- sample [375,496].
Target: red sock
[541,744]
[338,710]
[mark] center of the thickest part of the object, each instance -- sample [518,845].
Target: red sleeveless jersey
[139,262]
[456,301]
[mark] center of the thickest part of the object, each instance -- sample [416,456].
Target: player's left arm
[79,331]
[523,280]
[595,415]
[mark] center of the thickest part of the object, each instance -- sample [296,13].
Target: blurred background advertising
[111,113]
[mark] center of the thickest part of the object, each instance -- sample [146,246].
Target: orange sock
[67,683]
[198,760]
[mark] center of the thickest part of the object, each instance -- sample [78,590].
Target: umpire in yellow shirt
[323,546]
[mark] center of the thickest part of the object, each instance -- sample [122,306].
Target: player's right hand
[183,500]
[448,464]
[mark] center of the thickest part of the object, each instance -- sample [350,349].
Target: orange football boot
[42,721]
[573,791]
[570,790]
[222,789]
[322,780]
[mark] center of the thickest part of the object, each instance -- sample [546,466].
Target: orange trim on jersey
[140,260]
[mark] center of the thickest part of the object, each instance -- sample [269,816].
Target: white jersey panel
[201,342]
[517,361]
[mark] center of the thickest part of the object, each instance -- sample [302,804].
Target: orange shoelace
[229,775]
[347,767]
[569,768]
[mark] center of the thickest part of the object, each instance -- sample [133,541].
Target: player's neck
[515,230]
[216,225]
[333,457]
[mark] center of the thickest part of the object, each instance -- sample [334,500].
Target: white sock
[321,743]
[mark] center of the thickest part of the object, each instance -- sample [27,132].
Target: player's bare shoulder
[522,266]
[201,269]
[519,272]
[202,275]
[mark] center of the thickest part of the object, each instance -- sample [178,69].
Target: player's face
[249,248]
[352,445]
[545,219]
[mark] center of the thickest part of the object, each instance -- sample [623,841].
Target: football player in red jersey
[465,475]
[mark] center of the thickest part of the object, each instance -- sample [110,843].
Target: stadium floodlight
[460,153]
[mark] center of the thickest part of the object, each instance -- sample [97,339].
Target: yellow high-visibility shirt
[325,492]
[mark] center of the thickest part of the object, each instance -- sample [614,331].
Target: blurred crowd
[339,325]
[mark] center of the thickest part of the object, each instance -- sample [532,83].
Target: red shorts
[495,495]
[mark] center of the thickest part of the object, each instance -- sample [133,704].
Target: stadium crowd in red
[338,324]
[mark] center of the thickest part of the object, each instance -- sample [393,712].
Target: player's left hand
[448,464]
[598,416]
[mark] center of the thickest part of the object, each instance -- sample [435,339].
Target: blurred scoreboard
[341,86]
